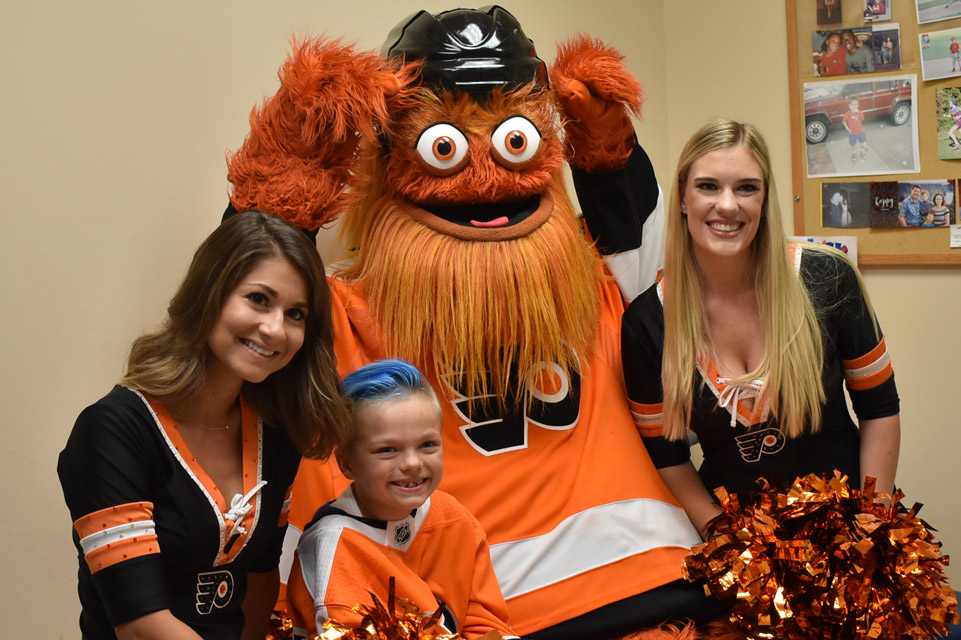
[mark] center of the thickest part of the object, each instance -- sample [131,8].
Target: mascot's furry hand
[296,162]
[596,94]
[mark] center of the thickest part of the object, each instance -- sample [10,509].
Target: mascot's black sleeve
[618,204]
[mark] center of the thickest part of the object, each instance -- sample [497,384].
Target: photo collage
[867,125]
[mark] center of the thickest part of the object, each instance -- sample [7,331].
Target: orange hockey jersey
[438,556]
[576,515]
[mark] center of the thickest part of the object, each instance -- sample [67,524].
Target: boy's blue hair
[384,379]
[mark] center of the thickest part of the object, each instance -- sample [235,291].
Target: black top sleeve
[616,203]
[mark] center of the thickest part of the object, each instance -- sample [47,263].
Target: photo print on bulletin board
[876,10]
[821,149]
[845,244]
[886,47]
[941,58]
[861,128]
[884,204]
[829,11]
[914,204]
[948,113]
[842,51]
[932,11]
[845,204]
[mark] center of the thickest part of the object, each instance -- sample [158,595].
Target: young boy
[391,522]
[854,123]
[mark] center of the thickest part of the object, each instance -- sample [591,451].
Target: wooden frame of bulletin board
[876,246]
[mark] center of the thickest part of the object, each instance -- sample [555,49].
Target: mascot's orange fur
[466,259]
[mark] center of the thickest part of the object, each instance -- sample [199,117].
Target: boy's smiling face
[396,459]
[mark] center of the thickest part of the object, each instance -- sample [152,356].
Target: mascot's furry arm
[611,171]
[596,94]
[297,161]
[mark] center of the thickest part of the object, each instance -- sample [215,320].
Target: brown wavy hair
[171,363]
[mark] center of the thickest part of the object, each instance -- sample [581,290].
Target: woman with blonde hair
[749,340]
[178,480]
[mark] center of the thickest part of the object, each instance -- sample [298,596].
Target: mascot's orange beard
[479,307]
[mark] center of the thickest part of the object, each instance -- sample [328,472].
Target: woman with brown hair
[178,480]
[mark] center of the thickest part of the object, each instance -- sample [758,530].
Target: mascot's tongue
[496,222]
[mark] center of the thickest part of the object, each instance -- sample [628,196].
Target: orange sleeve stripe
[867,359]
[122,550]
[649,418]
[870,370]
[116,534]
[113,517]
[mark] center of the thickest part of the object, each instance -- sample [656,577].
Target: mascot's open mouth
[487,216]
[491,222]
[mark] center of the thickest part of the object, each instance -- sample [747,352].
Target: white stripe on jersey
[590,539]
[636,270]
[884,360]
[115,534]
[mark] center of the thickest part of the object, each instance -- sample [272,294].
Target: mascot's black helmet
[469,50]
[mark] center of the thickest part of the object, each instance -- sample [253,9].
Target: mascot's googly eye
[443,148]
[515,141]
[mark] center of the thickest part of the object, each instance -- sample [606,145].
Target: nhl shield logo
[402,534]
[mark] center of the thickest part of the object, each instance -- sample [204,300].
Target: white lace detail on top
[239,506]
[735,392]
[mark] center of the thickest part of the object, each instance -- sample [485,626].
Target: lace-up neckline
[734,393]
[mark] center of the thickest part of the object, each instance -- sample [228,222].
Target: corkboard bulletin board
[880,246]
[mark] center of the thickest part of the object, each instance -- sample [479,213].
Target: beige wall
[116,116]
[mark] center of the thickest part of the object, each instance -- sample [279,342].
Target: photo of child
[948,109]
[942,57]
[875,10]
[863,127]
[887,48]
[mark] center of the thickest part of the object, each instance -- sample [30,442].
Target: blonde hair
[171,363]
[793,351]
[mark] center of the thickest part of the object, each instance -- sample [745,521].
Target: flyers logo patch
[214,590]
[551,400]
[757,443]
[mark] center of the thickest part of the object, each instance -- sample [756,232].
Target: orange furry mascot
[442,157]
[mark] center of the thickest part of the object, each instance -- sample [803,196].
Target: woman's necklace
[189,421]
[206,428]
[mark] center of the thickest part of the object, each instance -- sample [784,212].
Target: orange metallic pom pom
[825,561]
